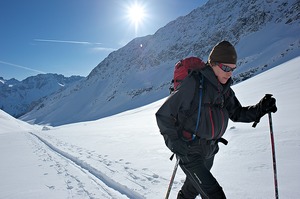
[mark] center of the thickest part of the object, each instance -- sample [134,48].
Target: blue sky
[71,37]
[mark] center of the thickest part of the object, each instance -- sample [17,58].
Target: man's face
[223,71]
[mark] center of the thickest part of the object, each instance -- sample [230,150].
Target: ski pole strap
[212,142]
[222,140]
[172,156]
[255,123]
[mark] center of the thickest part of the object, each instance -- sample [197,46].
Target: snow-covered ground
[124,156]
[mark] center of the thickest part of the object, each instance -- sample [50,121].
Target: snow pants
[196,165]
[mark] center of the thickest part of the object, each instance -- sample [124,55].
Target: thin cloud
[96,48]
[104,49]
[22,67]
[67,41]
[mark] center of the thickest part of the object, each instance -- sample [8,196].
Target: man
[196,142]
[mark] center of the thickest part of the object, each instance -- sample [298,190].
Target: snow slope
[124,156]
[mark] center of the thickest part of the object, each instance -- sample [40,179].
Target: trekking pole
[273,154]
[172,178]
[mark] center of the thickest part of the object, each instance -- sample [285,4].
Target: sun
[136,14]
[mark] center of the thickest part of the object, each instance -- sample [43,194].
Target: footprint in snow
[50,187]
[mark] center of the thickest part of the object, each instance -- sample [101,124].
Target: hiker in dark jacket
[196,147]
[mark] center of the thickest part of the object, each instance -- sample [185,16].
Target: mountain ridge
[265,34]
[19,97]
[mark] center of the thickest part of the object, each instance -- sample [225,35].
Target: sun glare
[136,14]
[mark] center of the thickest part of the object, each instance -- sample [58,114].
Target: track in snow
[86,168]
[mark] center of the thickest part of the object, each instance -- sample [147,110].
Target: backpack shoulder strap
[200,88]
[196,102]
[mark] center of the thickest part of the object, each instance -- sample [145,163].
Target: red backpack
[183,68]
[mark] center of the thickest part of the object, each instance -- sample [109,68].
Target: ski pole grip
[267,96]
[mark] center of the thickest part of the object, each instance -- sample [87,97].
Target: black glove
[266,105]
[178,146]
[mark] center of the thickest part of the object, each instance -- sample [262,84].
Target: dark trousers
[199,179]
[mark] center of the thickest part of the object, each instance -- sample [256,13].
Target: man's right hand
[179,147]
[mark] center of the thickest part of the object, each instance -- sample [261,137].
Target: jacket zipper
[222,114]
[213,126]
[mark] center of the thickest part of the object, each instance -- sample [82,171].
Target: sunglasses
[226,68]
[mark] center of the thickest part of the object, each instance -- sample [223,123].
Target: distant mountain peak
[18,97]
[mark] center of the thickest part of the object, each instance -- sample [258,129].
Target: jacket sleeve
[176,103]
[237,112]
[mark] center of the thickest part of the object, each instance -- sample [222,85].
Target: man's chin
[223,80]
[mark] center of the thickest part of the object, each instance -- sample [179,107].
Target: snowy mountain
[18,97]
[124,156]
[265,34]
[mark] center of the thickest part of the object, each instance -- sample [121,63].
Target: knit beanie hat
[223,52]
